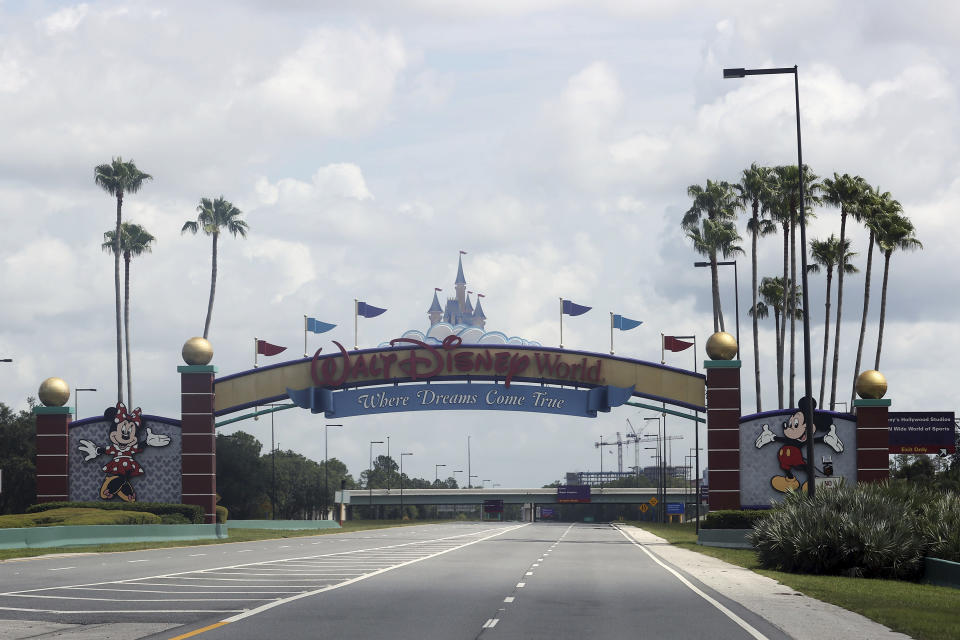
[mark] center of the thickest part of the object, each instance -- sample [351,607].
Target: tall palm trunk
[756,343]
[213,287]
[826,336]
[715,284]
[793,303]
[883,305]
[126,323]
[776,328]
[863,319]
[785,307]
[116,287]
[836,328]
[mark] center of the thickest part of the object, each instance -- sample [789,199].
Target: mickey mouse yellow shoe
[784,484]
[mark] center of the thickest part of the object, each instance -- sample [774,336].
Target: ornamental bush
[190,512]
[867,530]
[941,526]
[732,519]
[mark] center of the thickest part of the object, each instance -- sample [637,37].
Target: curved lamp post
[807,376]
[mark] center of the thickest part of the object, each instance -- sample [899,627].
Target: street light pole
[325,465]
[76,400]
[469,476]
[736,292]
[370,475]
[454,474]
[401,481]
[436,478]
[661,470]
[807,374]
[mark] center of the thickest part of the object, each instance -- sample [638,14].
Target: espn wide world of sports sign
[334,383]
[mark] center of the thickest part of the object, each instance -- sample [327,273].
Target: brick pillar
[198,463]
[873,439]
[723,433]
[53,455]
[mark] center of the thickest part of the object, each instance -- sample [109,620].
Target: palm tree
[717,204]
[118,178]
[894,232]
[214,217]
[771,294]
[829,254]
[846,192]
[134,241]
[711,237]
[756,191]
[788,196]
[874,209]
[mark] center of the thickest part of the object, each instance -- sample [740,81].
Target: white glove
[766,436]
[157,439]
[88,448]
[832,440]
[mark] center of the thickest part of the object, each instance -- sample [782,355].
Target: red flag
[672,344]
[462,252]
[480,295]
[437,289]
[264,348]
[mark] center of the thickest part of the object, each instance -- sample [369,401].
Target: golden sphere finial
[871,385]
[197,351]
[54,392]
[722,346]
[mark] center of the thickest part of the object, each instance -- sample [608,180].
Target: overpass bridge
[365,497]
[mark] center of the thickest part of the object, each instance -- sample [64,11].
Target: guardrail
[78,535]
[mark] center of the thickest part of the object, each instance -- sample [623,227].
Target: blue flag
[316,326]
[368,310]
[574,309]
[625,324]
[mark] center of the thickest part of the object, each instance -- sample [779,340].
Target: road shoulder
[796,614]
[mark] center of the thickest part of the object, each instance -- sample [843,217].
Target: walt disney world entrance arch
[411,375]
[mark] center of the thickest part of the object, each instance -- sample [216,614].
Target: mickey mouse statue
[124,443]
[790,455]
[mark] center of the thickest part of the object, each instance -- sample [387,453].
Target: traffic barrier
[284,524]
[942,573]
[729,538]
[77,535]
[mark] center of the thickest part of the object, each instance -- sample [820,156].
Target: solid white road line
[725,611]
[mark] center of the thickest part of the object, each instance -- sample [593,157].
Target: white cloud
[337,80]
[65,20]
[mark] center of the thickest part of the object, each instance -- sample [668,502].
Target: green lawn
[76,516]
[236,535]
[922,611]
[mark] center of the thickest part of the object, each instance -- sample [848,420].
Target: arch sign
[411,375]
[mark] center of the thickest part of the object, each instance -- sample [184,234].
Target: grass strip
[923,611]
[236,535]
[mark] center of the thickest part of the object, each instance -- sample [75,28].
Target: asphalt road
[467,580]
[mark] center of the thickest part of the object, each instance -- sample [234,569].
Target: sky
[367,143]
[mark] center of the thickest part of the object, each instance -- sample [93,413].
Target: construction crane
[619,442]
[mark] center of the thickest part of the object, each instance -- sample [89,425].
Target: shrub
[732,519]
[191,512]
[222,514]
[865,530]
[173,518]
[940,525]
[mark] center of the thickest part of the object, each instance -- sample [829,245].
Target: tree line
[770,198]
[128,240]
[253,484]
